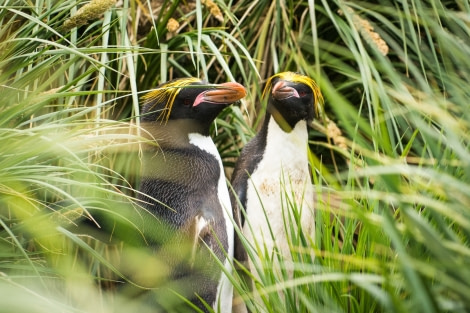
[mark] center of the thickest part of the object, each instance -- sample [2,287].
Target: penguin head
[292,98]
[191,99]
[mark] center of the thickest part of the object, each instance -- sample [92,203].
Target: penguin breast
[280,184]
[224,287]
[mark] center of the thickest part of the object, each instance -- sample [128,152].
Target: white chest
[225,288]
[280,188]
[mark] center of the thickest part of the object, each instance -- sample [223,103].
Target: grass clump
[392,218]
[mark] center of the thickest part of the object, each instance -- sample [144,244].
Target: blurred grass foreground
[390,157]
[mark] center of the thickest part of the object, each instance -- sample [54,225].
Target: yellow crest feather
[298,78]
[167,95]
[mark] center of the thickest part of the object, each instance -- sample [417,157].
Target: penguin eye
[302,93]
[187,102]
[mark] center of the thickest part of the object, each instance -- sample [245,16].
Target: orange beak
[282,91]
[224,93]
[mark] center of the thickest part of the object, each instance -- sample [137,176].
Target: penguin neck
[294,141]
[175,133]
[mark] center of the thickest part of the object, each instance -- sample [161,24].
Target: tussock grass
[392,217]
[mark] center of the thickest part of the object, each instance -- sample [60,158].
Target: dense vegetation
[390,155]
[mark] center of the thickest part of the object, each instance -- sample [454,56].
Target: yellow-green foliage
[390,157]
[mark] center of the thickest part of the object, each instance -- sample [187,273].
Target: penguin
[183,186]
[272,190]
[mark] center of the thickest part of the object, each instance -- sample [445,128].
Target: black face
[197,101]
[192,103]
[290,103]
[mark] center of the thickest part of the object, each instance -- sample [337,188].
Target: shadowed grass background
[390,156]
